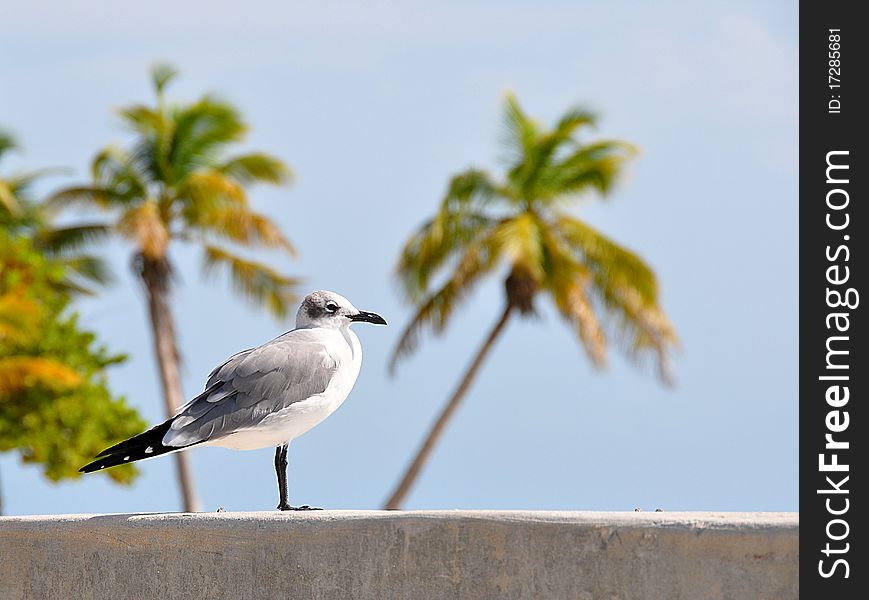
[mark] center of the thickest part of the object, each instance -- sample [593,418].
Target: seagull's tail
[145,445]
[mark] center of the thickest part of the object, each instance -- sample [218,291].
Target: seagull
[265,396]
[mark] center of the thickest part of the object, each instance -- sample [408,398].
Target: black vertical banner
[834,331]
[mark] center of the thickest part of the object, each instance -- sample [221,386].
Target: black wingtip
[91,467]
[100,464]
[153,436]
[128,455]
[138,447]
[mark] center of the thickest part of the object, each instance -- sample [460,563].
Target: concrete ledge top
[692,520]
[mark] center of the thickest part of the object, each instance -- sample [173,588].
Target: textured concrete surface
[361,555]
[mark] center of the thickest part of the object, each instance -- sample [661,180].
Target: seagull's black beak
[368,317]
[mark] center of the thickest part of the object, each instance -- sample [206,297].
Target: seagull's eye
[331,306]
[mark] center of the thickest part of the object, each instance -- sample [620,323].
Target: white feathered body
[289,423]
[337,353]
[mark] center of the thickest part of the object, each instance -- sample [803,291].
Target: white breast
[285,425]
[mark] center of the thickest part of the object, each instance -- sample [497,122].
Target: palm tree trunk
[424,453]
[155,275]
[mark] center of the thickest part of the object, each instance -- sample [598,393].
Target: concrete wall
[342,554]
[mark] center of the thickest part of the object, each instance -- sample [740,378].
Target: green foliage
[177,181]
[604,291]
[55,406]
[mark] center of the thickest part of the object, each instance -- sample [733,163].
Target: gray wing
[253,384]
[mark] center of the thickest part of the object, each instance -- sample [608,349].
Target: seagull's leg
[281,469]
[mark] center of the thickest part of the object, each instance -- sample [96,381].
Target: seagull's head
[328,309]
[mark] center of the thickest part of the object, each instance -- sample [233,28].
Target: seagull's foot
[304,507]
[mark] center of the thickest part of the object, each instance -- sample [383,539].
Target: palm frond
[20,183]
[610,263]
[642,329]
[205,191]
[154,129]
[573,119]
[575,305]
[434,244]
[201,130]
[568,281]
[142,119]
[258,282]
[7,142]
[63,240]
[595,167]
[627,288]
[435,310]
[161,75]
[8,201]
[91,269]
[473,188]
[243,226]
[520,131]
[458,223]
[13,187]
[538,159]
[87,196]
[148,157]
[113,168]
[256,167]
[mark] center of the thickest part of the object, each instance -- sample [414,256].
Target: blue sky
[375,105]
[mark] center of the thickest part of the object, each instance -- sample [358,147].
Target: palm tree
[520,221]
[176,183]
